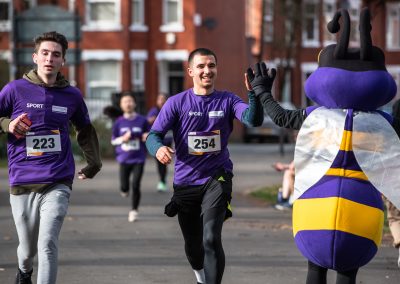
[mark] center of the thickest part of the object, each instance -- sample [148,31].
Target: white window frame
[140,25]
[315,41]
[5,26]
[105,84]
[269,19]
[306,67]
[5,55]
[173,27]
[389,28]
[103,55]
[138,79]
[103,26]
[354,22]
[328,16]
[162,58]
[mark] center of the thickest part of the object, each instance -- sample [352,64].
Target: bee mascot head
[351,78]
[341,154]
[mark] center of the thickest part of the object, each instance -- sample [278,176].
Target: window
[138,20]
[393,26]
[353,6]
[306,70]
[172,16]
[310,23]
[5,15]
[103,79]
[268,20]
[103,15]
[4,68]
[394,70]
[329,9]
[251,22]
[138,81]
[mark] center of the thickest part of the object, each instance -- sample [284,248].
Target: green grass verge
[3,163]
[269,194]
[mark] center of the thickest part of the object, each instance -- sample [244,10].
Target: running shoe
[162,187]
[132,216]
[23,278]
[283,206]
[124,194]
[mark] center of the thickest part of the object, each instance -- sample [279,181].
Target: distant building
[293,33]
[143,45]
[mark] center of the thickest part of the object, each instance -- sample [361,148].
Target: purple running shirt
[44,156]
[201,127]
[154,111]
[134,151]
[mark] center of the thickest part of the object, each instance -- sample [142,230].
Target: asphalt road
[98,245]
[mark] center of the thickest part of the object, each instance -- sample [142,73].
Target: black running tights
[125,172]
[203,244]
[317,275]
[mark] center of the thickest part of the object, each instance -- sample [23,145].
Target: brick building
[142,45]
[294,32]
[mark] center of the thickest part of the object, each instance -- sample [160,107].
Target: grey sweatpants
[38,219]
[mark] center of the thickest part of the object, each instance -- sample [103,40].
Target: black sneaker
[23,278]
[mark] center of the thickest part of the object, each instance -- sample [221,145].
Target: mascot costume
[347,152]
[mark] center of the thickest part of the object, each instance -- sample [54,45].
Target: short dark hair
[127,94]
[201,51]
[52,36]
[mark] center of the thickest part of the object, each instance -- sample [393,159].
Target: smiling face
[49,59]
[203,70]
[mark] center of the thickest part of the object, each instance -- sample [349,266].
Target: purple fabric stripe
[335,249]
[359,191]
[348,125]
[346,160]
[310,109]
[387,116]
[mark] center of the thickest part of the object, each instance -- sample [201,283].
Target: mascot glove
[260,79]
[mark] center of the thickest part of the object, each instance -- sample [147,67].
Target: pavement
[99,245]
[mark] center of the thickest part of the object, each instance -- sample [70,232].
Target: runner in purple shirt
[201,119]
[167,141]
[35,112]
[128,135]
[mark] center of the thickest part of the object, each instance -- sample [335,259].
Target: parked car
[269,131]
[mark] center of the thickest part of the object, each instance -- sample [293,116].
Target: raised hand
[260,79]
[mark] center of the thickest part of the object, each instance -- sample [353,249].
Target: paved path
[98,245]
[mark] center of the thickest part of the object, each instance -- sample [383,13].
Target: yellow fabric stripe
[346,173]
[346,144]
[336,213]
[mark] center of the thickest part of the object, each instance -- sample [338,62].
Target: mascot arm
[282,117]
